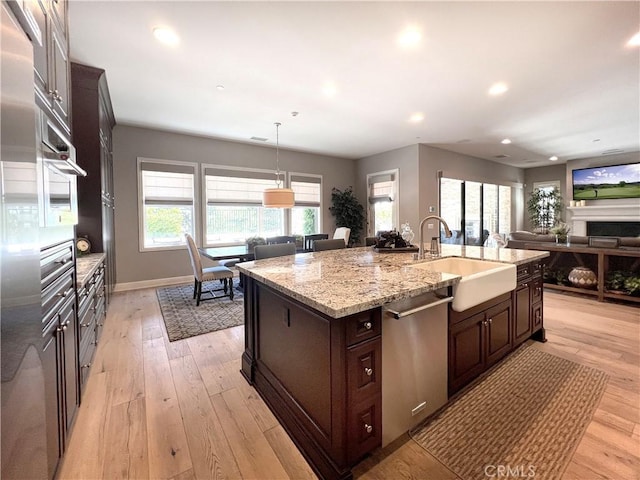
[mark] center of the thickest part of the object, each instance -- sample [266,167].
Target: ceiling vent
[259,139]
[502,155]
[612,151]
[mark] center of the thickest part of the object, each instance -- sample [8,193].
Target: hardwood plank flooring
[181,410]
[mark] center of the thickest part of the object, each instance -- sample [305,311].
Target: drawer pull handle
[490,321]
[85,325]
[368,371]
[368,428]
[368,325]
[88,365]
[63,261]
[62,294]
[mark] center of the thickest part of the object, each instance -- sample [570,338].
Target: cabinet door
[498,325]
[53,395]
[40,52]
[70,363]
[522,314]
[60,76]
[536,316]
[466,351]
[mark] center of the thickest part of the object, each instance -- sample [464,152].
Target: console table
[600,260]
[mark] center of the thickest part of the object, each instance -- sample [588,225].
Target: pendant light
[278,197]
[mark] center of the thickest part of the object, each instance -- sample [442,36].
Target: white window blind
[381,188]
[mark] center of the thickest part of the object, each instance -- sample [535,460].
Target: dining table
[226,253]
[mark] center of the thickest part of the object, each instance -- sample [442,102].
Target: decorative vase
[583,277]
[562,239]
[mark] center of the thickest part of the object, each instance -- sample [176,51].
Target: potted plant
[348,212]
[561,231]
[544,207]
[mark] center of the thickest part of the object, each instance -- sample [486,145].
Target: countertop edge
[519,257]
[86,266]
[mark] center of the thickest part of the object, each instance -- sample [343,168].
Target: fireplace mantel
[602,213]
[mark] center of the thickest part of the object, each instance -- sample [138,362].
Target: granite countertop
[347,281]
[86,265]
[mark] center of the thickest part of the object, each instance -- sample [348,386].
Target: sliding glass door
[474,211]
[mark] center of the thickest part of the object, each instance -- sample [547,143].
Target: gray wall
[132,142]
[418,184]
[406,161]
[464,167]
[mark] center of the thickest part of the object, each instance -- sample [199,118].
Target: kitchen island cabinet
[314,336]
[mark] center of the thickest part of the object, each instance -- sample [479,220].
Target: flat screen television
[611,181]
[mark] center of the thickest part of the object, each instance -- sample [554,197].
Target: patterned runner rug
[524,419]
[183,319]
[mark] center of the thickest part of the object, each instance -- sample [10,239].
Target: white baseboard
[156,282]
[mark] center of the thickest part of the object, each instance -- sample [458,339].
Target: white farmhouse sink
[481,280]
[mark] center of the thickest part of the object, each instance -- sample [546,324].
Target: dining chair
[342,232]
[333,244]
[207,274]
[281,239]
[274,250]
[309,239]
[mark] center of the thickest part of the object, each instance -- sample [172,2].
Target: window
[166,196]
[474,210]
[234,208]
[305,215]
[383,210]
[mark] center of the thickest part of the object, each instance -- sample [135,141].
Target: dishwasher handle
[398,315]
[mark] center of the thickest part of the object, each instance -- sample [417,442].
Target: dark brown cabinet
[51,60]
[478,338]
[92,137]
[91,314]
[321,376]
[481,336]
[60,352]
[527,302]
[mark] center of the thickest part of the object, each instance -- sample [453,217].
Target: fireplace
[625,215]
[613,229]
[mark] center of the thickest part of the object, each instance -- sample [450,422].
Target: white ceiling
[571,77]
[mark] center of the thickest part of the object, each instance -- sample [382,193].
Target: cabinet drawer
[364,371]
[86,325]
[524,271]
[363,326]
[86,358]
[55,261]
[56,294]
[365,428]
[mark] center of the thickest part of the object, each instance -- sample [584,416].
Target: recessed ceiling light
[498,88]
[553,159]
[329,89]
[220,87]
[596,139]
[166,35]
[416,117]
[506,141]
[409,37]
[634,41]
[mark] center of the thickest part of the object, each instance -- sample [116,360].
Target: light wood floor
[181,410]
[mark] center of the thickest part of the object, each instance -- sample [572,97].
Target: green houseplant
[348,212]
[544,207]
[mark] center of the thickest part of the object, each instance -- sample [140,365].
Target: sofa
[519,238]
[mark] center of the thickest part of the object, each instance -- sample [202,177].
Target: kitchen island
[314,341]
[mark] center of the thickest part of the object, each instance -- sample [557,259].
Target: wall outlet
[430,226]
[432,209]
[418,409]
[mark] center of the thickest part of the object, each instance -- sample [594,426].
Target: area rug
[183,319]
[524,419]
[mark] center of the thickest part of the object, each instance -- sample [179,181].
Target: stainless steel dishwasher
[414,361]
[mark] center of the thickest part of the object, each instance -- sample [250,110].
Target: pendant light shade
[278,197]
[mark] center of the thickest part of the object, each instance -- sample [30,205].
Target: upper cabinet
[51,59]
